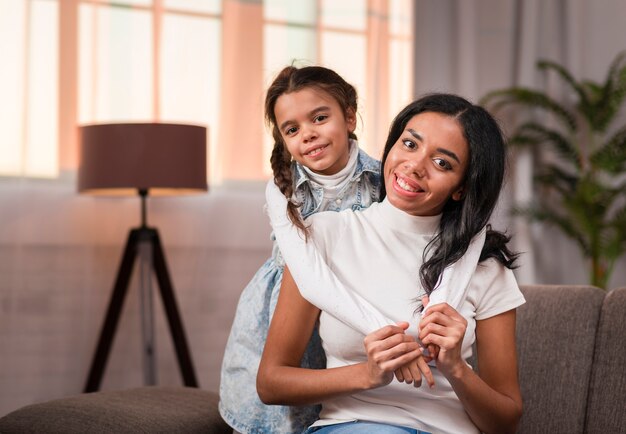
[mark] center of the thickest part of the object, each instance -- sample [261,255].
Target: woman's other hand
[433,350]
[388,349]
[444,327]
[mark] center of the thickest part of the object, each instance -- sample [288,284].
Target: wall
[59,254]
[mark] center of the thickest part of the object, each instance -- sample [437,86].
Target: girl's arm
[316,282]
[280,380]
[319,285]
[492,398]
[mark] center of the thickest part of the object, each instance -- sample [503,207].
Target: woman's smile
[408,185]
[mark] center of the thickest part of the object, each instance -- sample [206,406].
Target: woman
[443,167]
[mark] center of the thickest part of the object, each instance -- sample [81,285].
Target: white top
[333,184]
[379,251]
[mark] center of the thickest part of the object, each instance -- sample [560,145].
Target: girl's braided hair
[293,79]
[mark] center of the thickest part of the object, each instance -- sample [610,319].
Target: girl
[443,168]
[318,166]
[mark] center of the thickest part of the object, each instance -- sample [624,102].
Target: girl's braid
[281,166]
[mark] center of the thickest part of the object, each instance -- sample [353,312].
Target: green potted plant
[580,160]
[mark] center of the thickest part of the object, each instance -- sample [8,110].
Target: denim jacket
[240,405]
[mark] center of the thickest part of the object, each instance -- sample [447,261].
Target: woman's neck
[402,221]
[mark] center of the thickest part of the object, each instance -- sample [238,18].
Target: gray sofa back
[606,409]
[571,356]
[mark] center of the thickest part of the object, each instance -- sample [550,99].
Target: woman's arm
[280,379]
[491,398]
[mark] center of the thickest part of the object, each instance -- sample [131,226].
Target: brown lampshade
[120,159]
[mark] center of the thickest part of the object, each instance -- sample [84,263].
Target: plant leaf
[612,94]
[553,177]
[498,99]
[585,103]
[533,133]
[551,217]
[611,157]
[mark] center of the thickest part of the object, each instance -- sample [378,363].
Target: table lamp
[142,159]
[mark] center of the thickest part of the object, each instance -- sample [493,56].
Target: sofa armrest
[152,409]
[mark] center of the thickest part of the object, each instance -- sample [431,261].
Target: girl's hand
[414,371]
[388,349]
[443,326]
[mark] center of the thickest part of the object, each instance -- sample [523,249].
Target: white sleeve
[321,287]
[455,280]
[316,281]
[495,290]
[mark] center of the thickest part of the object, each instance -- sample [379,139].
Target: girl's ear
[459,194]
[351,119]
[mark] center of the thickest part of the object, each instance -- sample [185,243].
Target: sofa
[572,369]
[572,360]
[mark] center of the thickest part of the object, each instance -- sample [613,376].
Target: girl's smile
[426,166]
[316,151]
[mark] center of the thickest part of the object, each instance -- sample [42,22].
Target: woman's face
[426,166]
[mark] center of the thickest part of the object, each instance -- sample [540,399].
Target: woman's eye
[442,163]
[409,144]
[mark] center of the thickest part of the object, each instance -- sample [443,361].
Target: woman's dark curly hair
[293,79]
[462,220]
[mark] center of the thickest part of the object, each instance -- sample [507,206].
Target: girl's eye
[409,144]
[320,118]
[440,162]
[290,131]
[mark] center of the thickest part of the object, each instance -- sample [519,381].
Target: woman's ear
[459,194]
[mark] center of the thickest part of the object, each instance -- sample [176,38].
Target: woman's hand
[433,350]
[389,349]
[444,327]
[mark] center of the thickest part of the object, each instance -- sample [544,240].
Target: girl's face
[315,129]
[426,166]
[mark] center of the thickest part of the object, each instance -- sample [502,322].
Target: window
[29,87]
[207,62]
[155,61]
[368,42]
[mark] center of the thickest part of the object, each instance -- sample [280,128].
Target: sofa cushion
[140,410]
[556,331]
[606,411]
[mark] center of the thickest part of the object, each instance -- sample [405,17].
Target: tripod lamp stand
[142,159]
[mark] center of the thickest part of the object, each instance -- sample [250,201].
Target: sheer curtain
[71,62]
[474,46]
